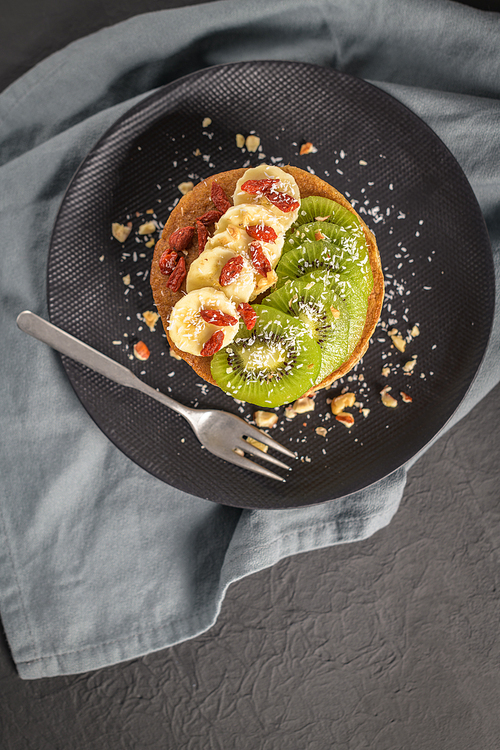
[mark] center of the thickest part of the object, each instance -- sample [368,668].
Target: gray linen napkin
[101,562]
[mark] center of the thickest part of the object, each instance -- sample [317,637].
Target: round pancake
[197,202]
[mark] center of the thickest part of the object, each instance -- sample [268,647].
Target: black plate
[410,190]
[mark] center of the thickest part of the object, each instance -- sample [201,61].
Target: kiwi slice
[321,256]
[331,211]
[325,314]
[346,241]
[271,365]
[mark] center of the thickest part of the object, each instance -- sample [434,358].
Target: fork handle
[75,349]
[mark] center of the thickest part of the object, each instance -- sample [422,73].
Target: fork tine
[245,463]
[254,432]
[258,453]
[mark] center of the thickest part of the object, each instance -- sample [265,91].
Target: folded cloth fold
[101,562]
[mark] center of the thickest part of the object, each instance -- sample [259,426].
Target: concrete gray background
[387,644]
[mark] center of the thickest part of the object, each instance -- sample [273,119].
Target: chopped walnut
[126,279]
[415,331]
[386,371]
[206,122]
[150,318]
[290,412]
[252,143]
[345,418]
[141,351]
[344,401]
[409,366]
[387,399]
[174,355]
[265,418]
[303,405]
[149,227]
[185,187]
[307,148]
[240,140]
[257,444]
[121,231]
[321,431]
[397,340]
[407,399]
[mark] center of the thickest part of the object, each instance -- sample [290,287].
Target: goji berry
[248,314]
[231,270]
[219,197]
[260,261]
[202,235]
[210,217]
[181,238]
[218,318]
[258,187]
[283,201]
[178,275]
[168,261]
[213,344]
[262,232]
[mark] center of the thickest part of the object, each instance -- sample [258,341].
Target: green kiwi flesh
[351,242]
[273,364]
[321,256]
[325,314]
[315,206]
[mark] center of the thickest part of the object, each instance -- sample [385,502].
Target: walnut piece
[185,187]
[307,148]
[303,405]
[150,318]
[397,340]
[257,444]
[141,351]
[149,227]
[345,418]
[252,143]
[387,399]
[121,231]
[344,401]
[265,418]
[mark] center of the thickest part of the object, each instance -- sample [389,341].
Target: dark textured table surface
[389,643]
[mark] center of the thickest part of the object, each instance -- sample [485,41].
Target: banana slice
[189,331]
[286,184]
[205,271]
[230,230]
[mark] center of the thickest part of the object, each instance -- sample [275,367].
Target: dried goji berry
[218,318]
[258,187]
[260,261]
[210,217]
[213,344]
[178,275]
[202,235]
[248,314]
[168,261]
[219,197]
[231,270]
[262,232]
[283,201]
[181,238]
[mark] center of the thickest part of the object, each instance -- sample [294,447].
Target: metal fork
[219,432]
